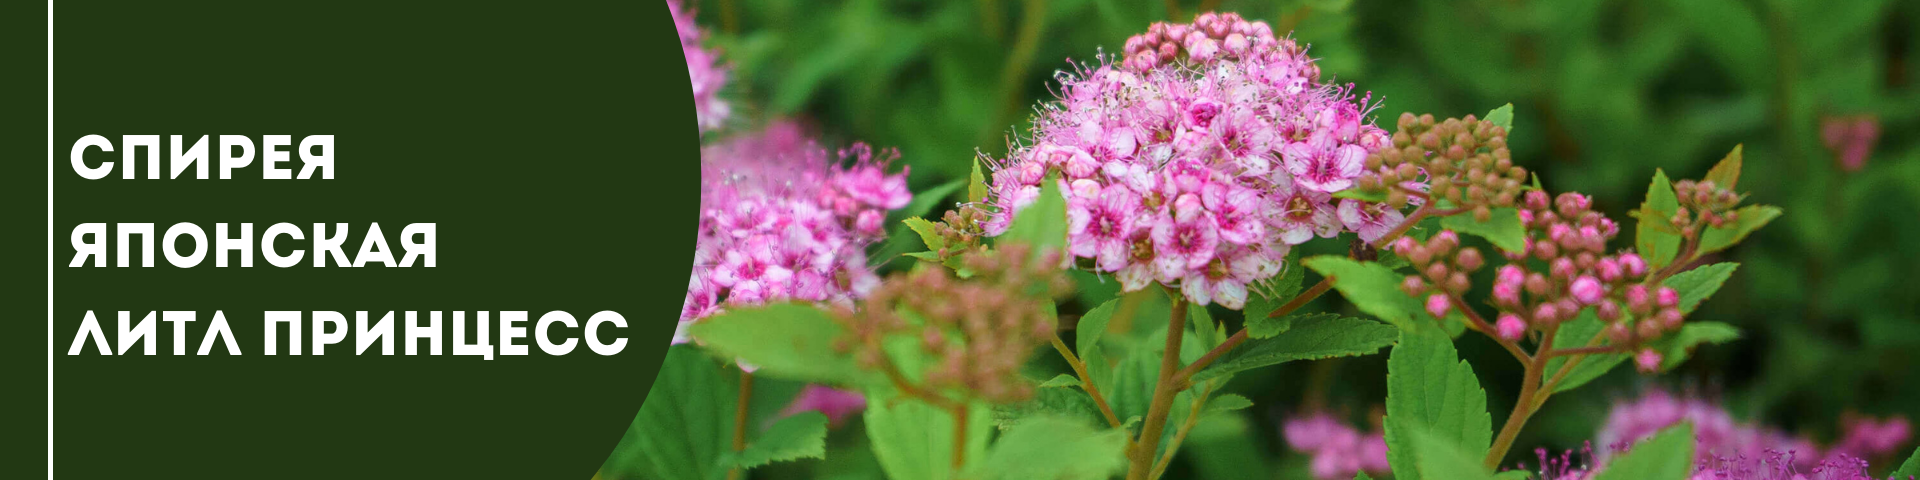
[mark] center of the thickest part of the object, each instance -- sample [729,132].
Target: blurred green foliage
[1606,91]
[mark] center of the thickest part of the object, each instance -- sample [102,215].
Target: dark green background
[553,147]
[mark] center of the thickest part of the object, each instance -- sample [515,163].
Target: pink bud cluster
[1218,36]
[1570,239]
[703,69]
[783,219]
[1339,451]
[1199,171]
[1443,267]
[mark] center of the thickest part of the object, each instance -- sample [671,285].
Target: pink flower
[1321,164]
[835,403]
[1102,228]
[1184,239]
[1339,451]
[1237,210]
[781,220]
[703,70]
[1303,214]
[1370,220]
[1191,120]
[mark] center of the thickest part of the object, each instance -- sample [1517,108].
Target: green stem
[1142,455]
[1086,381]
[740,419]
[1531,398]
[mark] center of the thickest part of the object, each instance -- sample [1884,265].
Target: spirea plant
[1191,170]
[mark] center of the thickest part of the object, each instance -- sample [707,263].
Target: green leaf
[1747,220]
[1573,334]
[1227,403]
[1503,117]
[1280,289]
[1676,347]
[1513,475]
[1503,229]
[1133,382]
[1910,469]
[1430,389]
[1048,402]
[802,435]
[1062,380]
[924,228]
[1361,475]
[1697,284]
[692,398]
[1312,337]
[1726,173]
[1375,289]
[977,184]
[1379,195]
[1667,455]
[1054,448]
[1042,225]
[786,340]
[1260,326]
[1653,233]
[1202,328]
[1440,458]
[914,440]
[1086,343]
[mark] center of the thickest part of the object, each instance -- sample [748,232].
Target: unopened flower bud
[1413,285]
[1506,294]
[1562,268]
[1537,284]
[1469,259]
[1647,328]
[1545,249]
[1437,272]
[1546,314]
[1458,283]
[1638,300]
[1445,241]
[1403,246]
[1438,305]
[1536,200]
[1510,274]
[1635,266]
[1670,319]
[1619,333]
[1607,310]
[1609,269]
[1648,360]
[1420,256]
[1510,327]
[1668,298]
[1587,290]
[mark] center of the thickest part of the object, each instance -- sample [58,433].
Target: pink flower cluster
[783,219]
[836,404]
[1719,438]
[702,68]
[1339,451]
[1851,139]
[1199,171]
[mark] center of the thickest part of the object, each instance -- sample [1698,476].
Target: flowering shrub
[1195,169]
